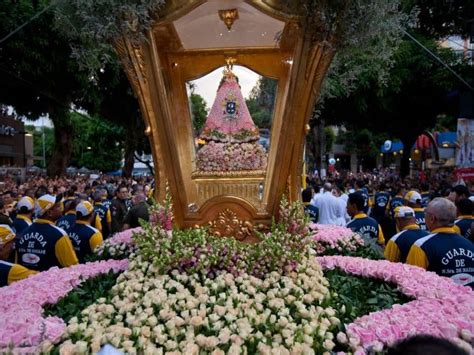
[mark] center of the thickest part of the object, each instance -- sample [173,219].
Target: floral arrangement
[184,313]
[186,291]
[216,156]
[119,246]
[441,308]
[23,325]
[330,240]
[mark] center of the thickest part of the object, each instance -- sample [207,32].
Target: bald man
[444,251]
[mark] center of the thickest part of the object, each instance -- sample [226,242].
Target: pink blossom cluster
[21,308]
[124,237]
[231,157]
[334,237]
[441,308]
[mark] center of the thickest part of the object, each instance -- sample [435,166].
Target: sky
[205,86]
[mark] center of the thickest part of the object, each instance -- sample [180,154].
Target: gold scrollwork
[227,224]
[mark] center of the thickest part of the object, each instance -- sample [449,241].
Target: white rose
[328,344]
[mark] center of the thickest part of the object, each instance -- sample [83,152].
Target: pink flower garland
[334,237]
[124,237]
[21,308]
[441,308]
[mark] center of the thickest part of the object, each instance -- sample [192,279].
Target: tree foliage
[261,101]
[415,95]
[199,111]
[97,145]
[39,76]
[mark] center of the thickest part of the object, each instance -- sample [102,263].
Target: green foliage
[94,25]
[96,144]
[353,296]
[197,251]
[446,123]
[441,18]
[330,138]
[83,296]
[363,141]
[199,111]
[262,101]
[37,133]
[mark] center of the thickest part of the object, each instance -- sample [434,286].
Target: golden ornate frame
[158,70]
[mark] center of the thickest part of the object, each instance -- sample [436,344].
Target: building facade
[13,140]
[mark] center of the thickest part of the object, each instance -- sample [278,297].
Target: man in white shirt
[329,206]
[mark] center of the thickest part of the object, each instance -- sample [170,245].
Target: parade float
[228,262]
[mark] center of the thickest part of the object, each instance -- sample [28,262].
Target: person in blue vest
[366,226]
[103,212]
[413,200]
[381,200]
[309,209]
[364,192]
[444,251]
[44,245]
[399,245]
[425,194]
[24,214]
[396,200]
[465,220]
[68,219]
[84,237]
[10,273]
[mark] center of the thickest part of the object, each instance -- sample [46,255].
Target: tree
[261,101]
[198,111]
[38,142]
[415,95]
[97,145]
[39,75]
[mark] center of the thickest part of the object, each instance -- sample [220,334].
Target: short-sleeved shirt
[420,218]
[399,245]
[43,245]
[85,239]
[463,226]
[105,217]
[10,273]
[363,191]
[20,223]
[395,202]
[381,200]
[367,227]
[312,212]
[447,254]
[425,199]
[67,221]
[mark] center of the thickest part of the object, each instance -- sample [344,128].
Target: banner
[465,137]
[464,173]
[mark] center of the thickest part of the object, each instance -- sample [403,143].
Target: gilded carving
[227,224]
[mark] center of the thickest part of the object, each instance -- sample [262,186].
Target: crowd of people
[59,222]
[427,222]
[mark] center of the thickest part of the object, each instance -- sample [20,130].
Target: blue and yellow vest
[10,273]
[43,245]
[399,245]
[20,223]
[312,212]
[446,253]
[367,227]
[463,226]
[84,238]
[67,221]
[420,218]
